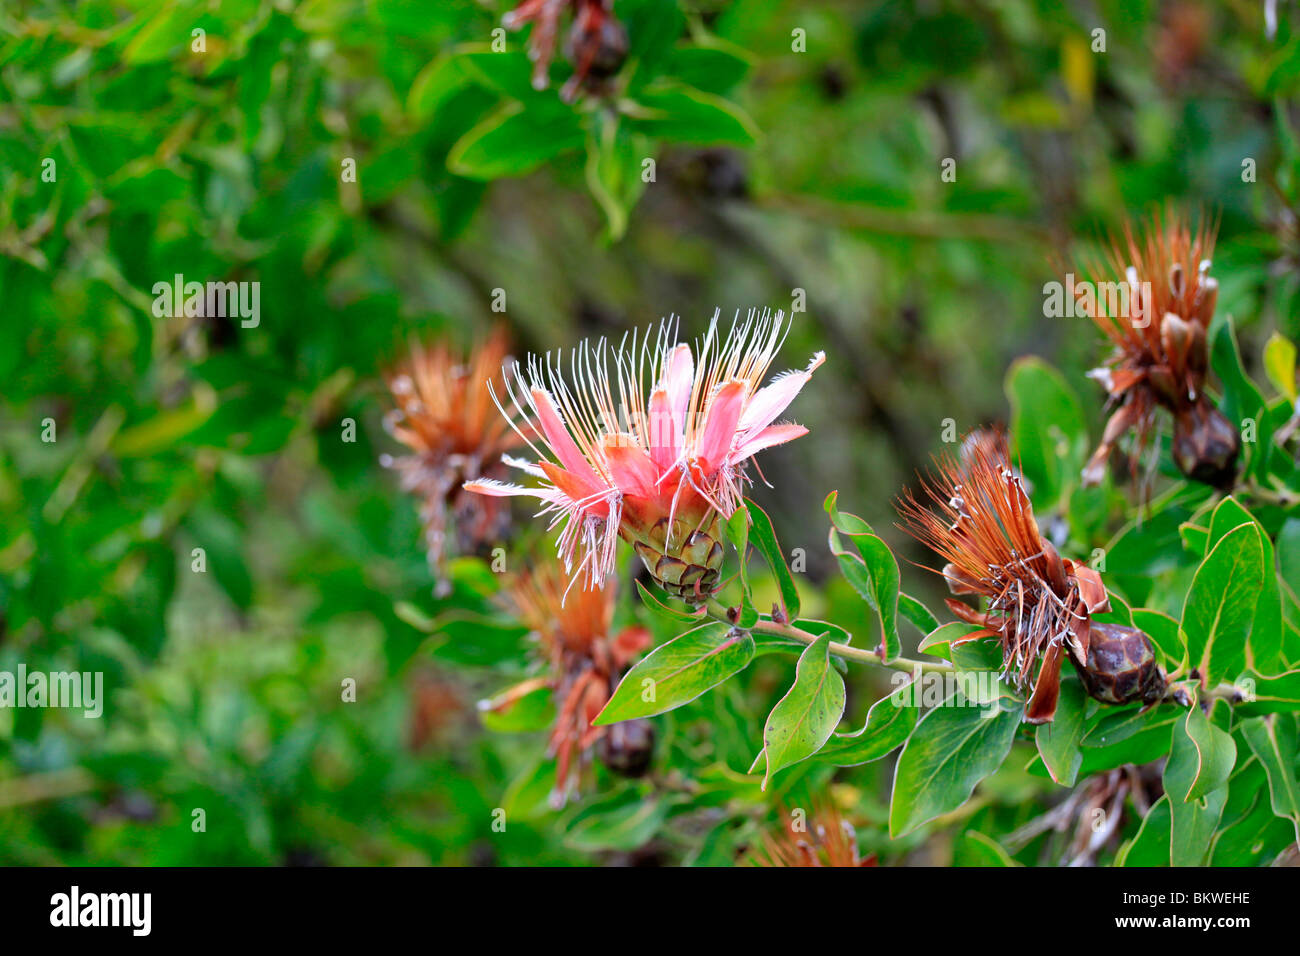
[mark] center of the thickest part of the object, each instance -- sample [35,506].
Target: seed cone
[685,563]
[628,748]
[1121,666]
[1205,445]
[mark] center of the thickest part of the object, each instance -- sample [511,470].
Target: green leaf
[613,171]
[514,712]
[951,750]
[463,637]
[1220,606]
[1279,364]
[938,641]
[1273,740]
[985,851]
[434,84]
[1265,643]
[678,672]
[1150,847]
[848,523]
[513,141]
[160,36]
[1269,694]
[1241,396]
[509,72]
[668,110]
[1058,741]
[917,613]
[873,572]
[1125,736]
[1253,840]
[1288,567]
[626,825]
[668,612]
[1201,758]
[890,721]
[803,720]
[1192,826]
[1048,432]
[714,68]
[1164,632]
[736,530]
[765,541]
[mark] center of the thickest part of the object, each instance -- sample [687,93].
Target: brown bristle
[982,524]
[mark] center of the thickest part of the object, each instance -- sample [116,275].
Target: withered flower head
[1156,316]
[596,45]
[585,662]
[446,417]
[1040,605]
[827,839]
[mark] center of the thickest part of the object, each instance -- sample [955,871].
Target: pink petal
[500,489]
[630,466]
[722,412]
[559,439]
[587,495]
[771,400]
[664,435]
[679,382]
[772,435]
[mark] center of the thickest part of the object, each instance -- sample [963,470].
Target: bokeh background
[797,146]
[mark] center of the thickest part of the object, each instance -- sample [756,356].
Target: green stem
[1280,497]
[718,611]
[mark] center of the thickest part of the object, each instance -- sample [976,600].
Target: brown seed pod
[1121,666]
[628,747]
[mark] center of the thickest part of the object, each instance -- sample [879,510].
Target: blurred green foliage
[775,171]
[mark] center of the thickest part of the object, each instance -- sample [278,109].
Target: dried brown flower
[586,661]
[446,417]
[1040,605]
[1157,316]
[827,839]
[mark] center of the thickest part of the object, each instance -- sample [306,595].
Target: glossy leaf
[677,672]
[873,572]
[1048,432]
[764,539]
[1219,610]
[1273,741]
[803,720]
[889,723]
[1059,740]
[949,753]
[1201,758]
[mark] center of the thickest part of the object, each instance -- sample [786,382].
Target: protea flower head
[596,46]
[585,660]
[1040,605]
[446,417]
[826,839]
[673,466]
[1158,325]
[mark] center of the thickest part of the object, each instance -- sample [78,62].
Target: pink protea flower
[675,463]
